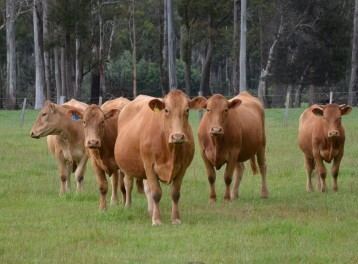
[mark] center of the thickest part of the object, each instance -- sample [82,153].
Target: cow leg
[335,171]
[128,182]
[64,172]
[102,186]
[309,165]
[155,191]
[239,171]
[122,185]
[261,160]
[149,197]
[79,173]
[229,170]
[114,181]
[210,171]
[175,199]
[321,170]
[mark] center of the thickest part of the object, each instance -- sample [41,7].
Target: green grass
[292,226]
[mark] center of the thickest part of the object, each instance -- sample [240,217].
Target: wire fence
[272,100]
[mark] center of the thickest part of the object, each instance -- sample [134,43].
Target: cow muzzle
[93,143]
[177,138]
[215,131]
[333,133]
[33,135]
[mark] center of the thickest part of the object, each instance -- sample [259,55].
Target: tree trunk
[63,73]
[46,50]
[95,78]
[311,94]
[205,74]
[68,66]
[266,72]
[57,75]
[39,63]
[10,54]
[78,74]
[235,48]
[243,47]
[164,49]
[171,47]
[185,38]
[134,49]
[354,79]
[298,92]
[100,54]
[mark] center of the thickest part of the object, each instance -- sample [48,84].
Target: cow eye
[44,114]
[187,110]
[226,110]
[208,110]
[166,110]
[84,123]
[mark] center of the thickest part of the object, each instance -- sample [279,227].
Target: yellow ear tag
[156,109]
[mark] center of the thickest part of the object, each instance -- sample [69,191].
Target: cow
[100,127]
[321,138]
[66,144]
[155,142]
[231,132]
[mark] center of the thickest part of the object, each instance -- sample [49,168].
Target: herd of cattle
[150,140]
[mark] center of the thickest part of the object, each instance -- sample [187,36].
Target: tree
[243,46]
[354,64]
[38,50]
[171,46]
[11,53]
[235,47]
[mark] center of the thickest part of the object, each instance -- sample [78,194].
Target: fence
[272,100]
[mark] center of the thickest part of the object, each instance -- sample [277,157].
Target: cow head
[331,114]
[174,109]
[93,121]
[217,110]
[50,119]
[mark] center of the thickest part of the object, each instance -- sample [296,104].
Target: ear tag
[156,109]
[75,117]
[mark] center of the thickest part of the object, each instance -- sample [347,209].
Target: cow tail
[253,165]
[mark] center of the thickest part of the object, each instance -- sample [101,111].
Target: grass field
[292,226]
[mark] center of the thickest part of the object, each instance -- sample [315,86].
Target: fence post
[330,97]
[287,104]
[100,101]
[200,110]
[22,115]
[62,99]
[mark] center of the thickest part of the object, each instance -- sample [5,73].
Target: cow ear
[235,103]
[51,106]
[198,102]
[317,110]
[345,109]
[111,113]
[156,104]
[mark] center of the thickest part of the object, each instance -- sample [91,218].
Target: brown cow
[321,138]
[100,126]
[231,132]
[67,143]
[155,142]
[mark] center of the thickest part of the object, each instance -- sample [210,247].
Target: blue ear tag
[75,117]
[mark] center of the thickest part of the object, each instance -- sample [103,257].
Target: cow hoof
[212,201]
[234,197]
[156,223]
[176,221]
[335,189]
[114,202]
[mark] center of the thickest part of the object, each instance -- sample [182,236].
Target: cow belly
[131,165]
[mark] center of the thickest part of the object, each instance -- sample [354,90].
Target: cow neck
[68,130]
[217,142]
[174,152]
[331,144]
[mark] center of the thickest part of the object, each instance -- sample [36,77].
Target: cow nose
[217,131]
[33,135]
[333,133]
[177,138]
[93,143]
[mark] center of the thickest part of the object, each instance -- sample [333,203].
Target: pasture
[292,226]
